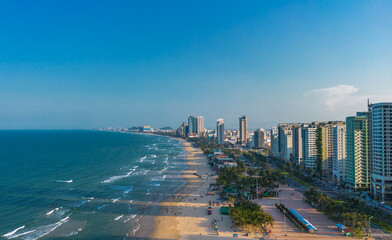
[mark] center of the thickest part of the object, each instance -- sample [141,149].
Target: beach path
[294,199]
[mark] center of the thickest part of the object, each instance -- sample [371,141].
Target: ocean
[83,184]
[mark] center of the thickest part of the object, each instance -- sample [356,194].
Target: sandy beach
[184,214]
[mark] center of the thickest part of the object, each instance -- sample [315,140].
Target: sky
[94,64]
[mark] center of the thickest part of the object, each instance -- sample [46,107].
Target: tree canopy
[246,214]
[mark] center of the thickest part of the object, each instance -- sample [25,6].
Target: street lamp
[257,188]
[257,185]
[284,222]
[369,226]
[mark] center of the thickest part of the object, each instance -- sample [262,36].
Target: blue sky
[89,64]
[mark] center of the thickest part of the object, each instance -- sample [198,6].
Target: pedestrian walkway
[286,230]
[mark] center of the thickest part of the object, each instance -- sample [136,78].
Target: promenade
[285,229]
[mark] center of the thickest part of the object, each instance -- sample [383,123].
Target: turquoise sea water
[82,184]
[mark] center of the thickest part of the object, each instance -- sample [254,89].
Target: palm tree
[356,221]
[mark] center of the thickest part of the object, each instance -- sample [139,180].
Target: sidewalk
[293,199]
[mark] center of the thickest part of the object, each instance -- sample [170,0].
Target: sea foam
[51,211]
[137,228]
[114,178]
[41,231]
[158,179]
[102,206]
[82,203]
[20,234]
[13,232]
[130,218]
[164,169]
[142,159]
[65,181]
[127,191]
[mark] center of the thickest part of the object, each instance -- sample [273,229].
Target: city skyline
[74,65]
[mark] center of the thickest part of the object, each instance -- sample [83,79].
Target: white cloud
[333,98]
[336,103]
[333,91]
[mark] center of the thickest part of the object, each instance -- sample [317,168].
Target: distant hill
[166,128]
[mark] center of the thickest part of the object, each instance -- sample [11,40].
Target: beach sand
[184,214]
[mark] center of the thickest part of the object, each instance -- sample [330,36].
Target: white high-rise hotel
[309,147]
[339,153]
[380,115]
[200,125]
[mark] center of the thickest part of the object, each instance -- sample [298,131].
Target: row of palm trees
[339,211]
[263,177]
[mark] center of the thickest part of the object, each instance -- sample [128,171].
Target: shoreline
[183,215]
[148,219]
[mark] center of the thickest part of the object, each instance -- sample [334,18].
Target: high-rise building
[381,162]
[309,136]
[243,130]
[288,145]
[297,155]
[200,125]
[339,153]
[357,151]
[285,140]
[196,125]
[274,142]
[325,130]
[183,129]
[282,128]
[258,138]
[192,124]
[220,131]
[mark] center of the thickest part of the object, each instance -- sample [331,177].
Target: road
[376,232]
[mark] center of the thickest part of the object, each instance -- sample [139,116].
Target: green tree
[248,215]
[356,222]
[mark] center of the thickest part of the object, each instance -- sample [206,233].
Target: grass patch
[300,181]
[381,224]
[297,179]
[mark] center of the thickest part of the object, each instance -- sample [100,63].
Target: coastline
[148,220]
[164,225]
[183,215]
